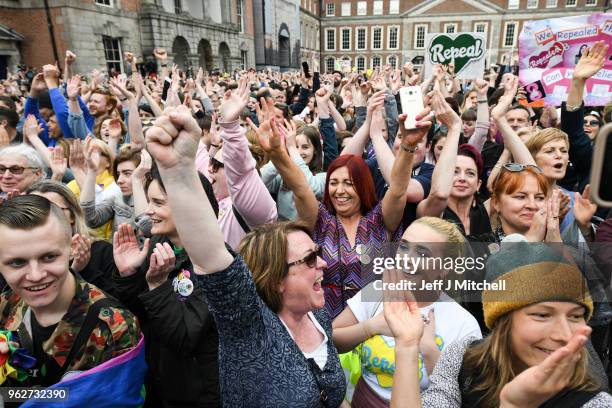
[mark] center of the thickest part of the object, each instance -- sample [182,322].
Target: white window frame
[372,61]
[513,4]
[485,32]
[240,14]
[551,3]
[350,38]
[344,5]
[571,5]
[397,40]
[111,3]
[532,5]
[119,50]
[586,3]
[374,8]
[450,25]
[327,59]
[394,6]
[365,63]
[396,60]
[330,7]
[514,34]
[362,8]
[381,37]
[328,30]
[416,37]
[365,38]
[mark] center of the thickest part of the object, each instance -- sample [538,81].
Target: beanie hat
[531,273]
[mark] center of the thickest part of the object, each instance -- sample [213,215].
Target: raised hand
[161,264]
[412,137]
[510,85]
[539,383]
[376,100]
[377,124]
[70,57]
[270,137]
[31,128]
[232,107]
[76,159]
[129,57]
[396,80]
[173,140]
[51,75]
[92,155]
[402,313]
[160,54]
[146,162]
[444,113]
[553,233]
[119,87]
[38,85]
[127,254]
[114,129]
[584,209]
[482,87]
[73,88]
[80,252]
[592,60]
[58,164]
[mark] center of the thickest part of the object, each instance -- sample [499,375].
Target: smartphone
[306,69]
[411,99]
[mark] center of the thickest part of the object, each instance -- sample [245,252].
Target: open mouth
[342,200]
[558,166]
[155,221]
[317,285]
[39,288]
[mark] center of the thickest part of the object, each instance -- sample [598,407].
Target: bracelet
[163,65]
[409,149]
[215,145]
[482,101]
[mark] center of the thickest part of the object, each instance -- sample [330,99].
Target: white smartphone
[411,99]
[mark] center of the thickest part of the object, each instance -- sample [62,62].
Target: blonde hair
[539,139]
[491,362]
[105,150]
[264,250]
[450,231]
[260,156]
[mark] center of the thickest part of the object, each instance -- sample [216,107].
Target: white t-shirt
[452,321]
[319,355]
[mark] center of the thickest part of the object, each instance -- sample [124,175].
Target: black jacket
[180,337]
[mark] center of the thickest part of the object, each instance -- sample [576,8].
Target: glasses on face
[215,164]
[15,169]
[591,123]
[310,260]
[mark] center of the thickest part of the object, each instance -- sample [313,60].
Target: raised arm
[360,139]
[269,134]
[138,179]
[394,200]
[173,143]
[479,137]
[443,174]
[512,142]
[157,112]
[134,124]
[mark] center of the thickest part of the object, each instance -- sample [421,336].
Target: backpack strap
[570,399]
[89,324]
[241,220]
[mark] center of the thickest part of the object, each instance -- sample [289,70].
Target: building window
[510,34]
[360,63]
[551,3]
[480,27]
[378,7]
[375,62]
[450,28]
[178,7]
[240,16]
[112,53]
[108,3]
[392,37]
[244,59]
[394,7]
[419,36]
[570,3]
[345,39]
[392,60]
[361,38]
[513,4]
[330,64]
[346,8]
[376,38]
[362,8]
[330,39]
[590,3]
[331,9]
[532,4]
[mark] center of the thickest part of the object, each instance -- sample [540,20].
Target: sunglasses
[591,123]
[310,260]
[15,169]
[215,164]
[517,167]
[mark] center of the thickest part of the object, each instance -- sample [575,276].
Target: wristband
[482,101]
[215,145]
[163,65]
[409,149]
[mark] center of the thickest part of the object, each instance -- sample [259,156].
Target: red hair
[509,182]
[360,175]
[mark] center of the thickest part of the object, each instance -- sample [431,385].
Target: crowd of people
[233,220]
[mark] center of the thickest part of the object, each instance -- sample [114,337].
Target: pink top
[202,159]
[247,191]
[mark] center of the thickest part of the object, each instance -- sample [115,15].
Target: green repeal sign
[465,50]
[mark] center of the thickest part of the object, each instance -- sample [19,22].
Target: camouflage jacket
[117,331]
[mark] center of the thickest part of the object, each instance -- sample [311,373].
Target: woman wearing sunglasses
[157,282]
[363,323]
[275,346]
[20,167]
